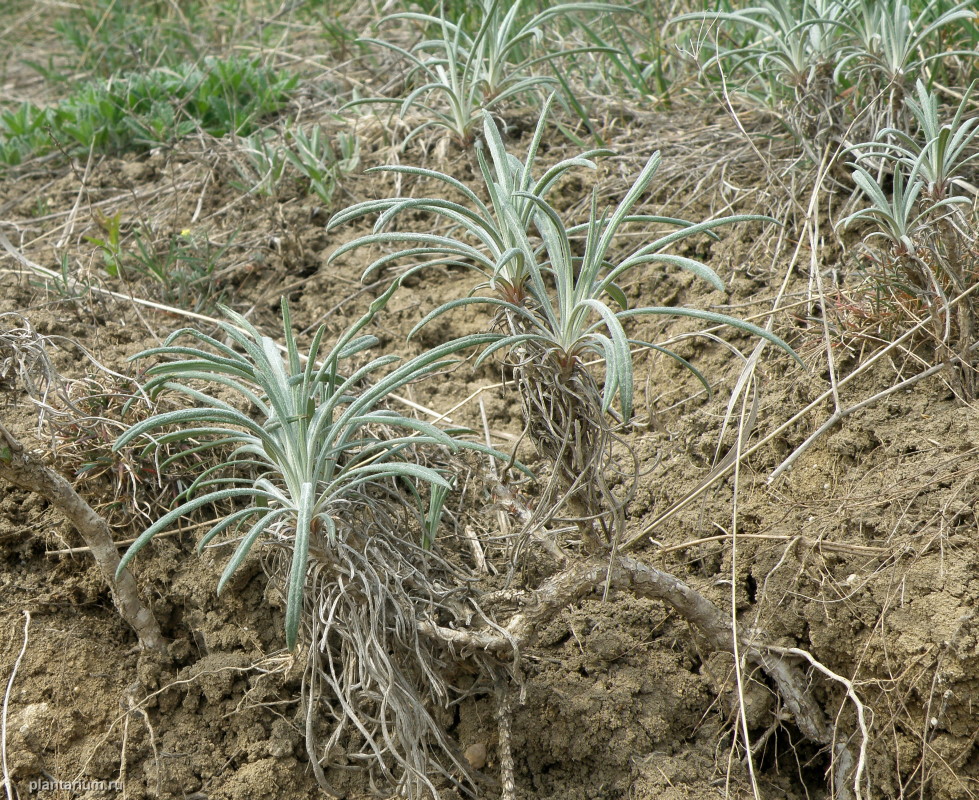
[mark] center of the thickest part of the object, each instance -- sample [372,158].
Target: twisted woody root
[625,574]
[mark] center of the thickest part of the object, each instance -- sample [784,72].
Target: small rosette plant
[556,300]
[313,443]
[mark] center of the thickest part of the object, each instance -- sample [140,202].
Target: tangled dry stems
[571,432]
[375,688]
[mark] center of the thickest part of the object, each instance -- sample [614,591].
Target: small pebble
[476,755]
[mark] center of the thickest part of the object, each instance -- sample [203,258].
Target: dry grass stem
[7,783]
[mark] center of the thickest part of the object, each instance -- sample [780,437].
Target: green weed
[184,267]
[109,242]
[320,162]
[112,36]
[182,270]
[137,111]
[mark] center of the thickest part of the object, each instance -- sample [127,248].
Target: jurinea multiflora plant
[922,169]
[831,64]
[495,231]
[556,308]
[900,215]
[940,148]
[474,64]
[920,244]
[304,452]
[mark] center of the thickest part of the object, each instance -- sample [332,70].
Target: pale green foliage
[471,65]
[317,160]
[889,44]
[493,233]
[897,216]
[940,149]
[568,305]
[922,167]
[827,65]
[920,248]
[777,45]
[271,156]
[558,304]
[305,452]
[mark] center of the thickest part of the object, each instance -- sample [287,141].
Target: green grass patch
[134,112]
[107,37]
[110,36]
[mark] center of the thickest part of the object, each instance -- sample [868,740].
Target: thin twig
[812,217]
[70,551]
[740,664]
[501,518]
[7,784]
[858,704]
[830,547]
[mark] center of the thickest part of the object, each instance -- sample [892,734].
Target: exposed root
[845,766]
[626,574]
[504,713]
[7,783]
[570,430]
[375,687]
[22,469]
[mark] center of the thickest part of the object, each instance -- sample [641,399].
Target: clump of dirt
[614,685]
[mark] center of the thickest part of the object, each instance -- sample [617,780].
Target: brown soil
[864,554]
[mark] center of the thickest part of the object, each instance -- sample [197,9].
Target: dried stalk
[21,469]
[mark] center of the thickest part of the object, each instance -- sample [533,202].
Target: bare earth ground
[863,554]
